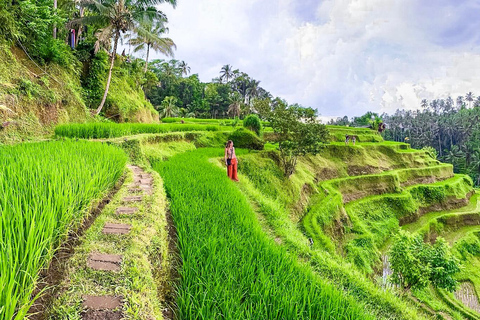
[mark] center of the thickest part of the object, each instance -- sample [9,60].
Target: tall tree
[117,17]
[469,97]
[226,73]
[149,35]
[168,107]
[184,67]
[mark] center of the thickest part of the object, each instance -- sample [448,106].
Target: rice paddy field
[230,270]
[112,130]
[46,189]
[311,246]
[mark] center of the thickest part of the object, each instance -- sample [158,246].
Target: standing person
[231,161]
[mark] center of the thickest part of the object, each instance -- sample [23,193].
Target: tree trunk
[80,28]
[114,53]
[146,60]
[54,25]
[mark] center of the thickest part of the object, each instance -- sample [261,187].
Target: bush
[243,138]
[253,123]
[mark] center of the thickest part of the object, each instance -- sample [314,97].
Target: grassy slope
[280,205]
[230,267]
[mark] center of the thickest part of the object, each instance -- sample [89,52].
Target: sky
[341,57]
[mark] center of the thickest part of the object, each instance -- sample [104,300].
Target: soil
[355,170]
[326,174]
[50,278]
[102,315]
[449,204]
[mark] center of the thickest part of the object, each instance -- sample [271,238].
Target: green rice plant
[45,189]
[230,268]
[99,130]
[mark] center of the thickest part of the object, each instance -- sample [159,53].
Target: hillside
[34,98]
[331,222]
[311,246]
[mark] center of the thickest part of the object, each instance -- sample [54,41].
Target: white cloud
[339,56]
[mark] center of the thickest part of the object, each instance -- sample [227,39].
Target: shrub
[243,138]
[253,123]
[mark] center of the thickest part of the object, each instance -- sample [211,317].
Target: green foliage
[298,133]
[243,138]
[112,130]
[432,152]
[252,122]
[45,189]
[93,82]
[257,271]
[416,264]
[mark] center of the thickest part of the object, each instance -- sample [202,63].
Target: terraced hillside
[338,211]
[315,245]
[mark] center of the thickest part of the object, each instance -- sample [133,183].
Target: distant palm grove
[451,127]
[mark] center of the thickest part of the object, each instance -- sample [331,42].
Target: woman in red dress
[231,161]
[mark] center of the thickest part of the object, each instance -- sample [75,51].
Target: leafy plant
[244,138]
[252,122]
[416,264]
[298,133]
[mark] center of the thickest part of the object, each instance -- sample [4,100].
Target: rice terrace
[132,188]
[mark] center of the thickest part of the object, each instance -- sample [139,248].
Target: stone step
[116,228]
[144,181]
[105,262]
[132,199]
[102,302]
[126,210]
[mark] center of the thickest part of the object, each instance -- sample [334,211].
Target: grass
[272,196]
[112,130]
[45,190]
[230,268]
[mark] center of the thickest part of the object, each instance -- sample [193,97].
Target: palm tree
[184,68]
[424,103]
[117,17]
[168,107]
[226,73]
[149,36]
[469,97]
[236,106]
[459,101]
[185,113]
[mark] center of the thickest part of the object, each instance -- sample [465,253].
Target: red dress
[232,168]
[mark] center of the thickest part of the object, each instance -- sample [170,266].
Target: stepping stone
[136,190]
[132,199]
[126,210]
[102,302]
[143,181]
[146,176]
[116,228]
[102,315]
[106,262]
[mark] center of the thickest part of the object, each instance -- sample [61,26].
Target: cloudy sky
[342,57]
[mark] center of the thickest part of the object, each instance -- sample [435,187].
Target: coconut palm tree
[149,36]
[168,107]
[424,103]
[236,106]
[226,73]
[184,67]
[459,101]
[117,17]
[469,97]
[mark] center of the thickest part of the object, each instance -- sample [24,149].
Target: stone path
[109,307]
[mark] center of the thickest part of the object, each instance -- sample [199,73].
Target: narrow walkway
[104,306]
[116,270]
